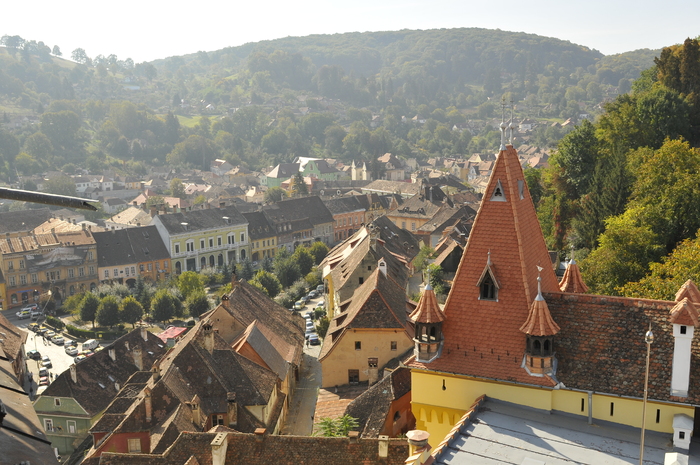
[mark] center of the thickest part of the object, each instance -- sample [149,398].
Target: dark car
[34,354]
[314,340]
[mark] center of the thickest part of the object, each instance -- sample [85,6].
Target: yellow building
[369,329]
[511,332]
[263,237]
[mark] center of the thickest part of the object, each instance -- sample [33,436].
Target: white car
[72,350]
[23,314]
[58,340]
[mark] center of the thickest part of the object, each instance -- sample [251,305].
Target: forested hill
[467,53]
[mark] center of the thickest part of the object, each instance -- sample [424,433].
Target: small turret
[427,320]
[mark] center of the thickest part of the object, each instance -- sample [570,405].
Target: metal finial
[488,259]
[539,283]
[511,126]
[572,261]
[503,124]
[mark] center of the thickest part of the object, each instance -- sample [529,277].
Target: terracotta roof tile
[539,321]
[684,313]
[572,280]
[689,290]
[428,310]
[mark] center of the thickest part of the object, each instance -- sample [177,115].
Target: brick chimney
[353,436]
[383,446]
[208,336]
[155,369]
[218,449]
[148,403]
[138,358]
[232,409]
[74,373]
[260,434]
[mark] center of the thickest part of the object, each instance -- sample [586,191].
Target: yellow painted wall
[344,357]
[437,409]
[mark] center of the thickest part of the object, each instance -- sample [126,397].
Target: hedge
[88,334]
[55,322]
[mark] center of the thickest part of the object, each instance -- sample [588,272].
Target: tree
[322,326]
[274,195]
[421,261]
[299,187]
[303,259]
[245,270]
[287,272]
[73,303]
[56,51]
[79,56]
[163,306]
[337,427]
[318,250]
[177,188]
[436,278]
[130,311]
[268,281]
[108,311]
[578,152]
[197,303]
[190,282]
[88,308]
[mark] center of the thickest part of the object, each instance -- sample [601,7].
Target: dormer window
[521,188]
[488,288]
[498,194]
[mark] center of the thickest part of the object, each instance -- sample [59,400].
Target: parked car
[43,371]
[314,340]
[90,344]
[58,340]
[31,307]
[49,334]
[313,295]
[46,361]
[34,354]
[36,313]
[23,314]
[44,381]
[305,299]
[309,331]
[33,327]
[41,330]
[69,342]
[72,350]
[80,357]
[298,305]
[319,288]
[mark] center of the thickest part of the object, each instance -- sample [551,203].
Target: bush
[285,300]
[55,322]
[82,333]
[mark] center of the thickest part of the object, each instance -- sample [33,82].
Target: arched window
[536,347]
[178,267]
[242,254]
[203,262]
[211,261]
[221,259]
[72,290]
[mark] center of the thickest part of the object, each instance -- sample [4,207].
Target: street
[59,359]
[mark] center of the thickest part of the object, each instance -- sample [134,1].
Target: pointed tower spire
[511,125]
[572,281]
[539,329]
[427,321]
[503,125]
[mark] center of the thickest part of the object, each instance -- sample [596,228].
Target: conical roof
[572,280]
[539,321]
[507,226]
[428,310]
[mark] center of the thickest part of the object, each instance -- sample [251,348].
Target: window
[211,242]
[81,271]
[35,278]
[177,248]
[498,194]
[126,270]
[71,273]
[12,281]
[413,226]
[372,362]
[488,288]
[23,279]
[72,429]
[21,264]
[133,271]
[218,241]
[134,445]
[219,420]
[353,376]
[403,225]
[10,265]
[242,237]
[201,243]
[90,256]
[684,329]
[362,280]
[190,245]
[57,402]
[231,239]
[681,435]
[48,424]
[106,273]
[14,298]
[58,274]
[393,345]
[150,267]
[658,415]
[116,272]
[358,345]
[612,408]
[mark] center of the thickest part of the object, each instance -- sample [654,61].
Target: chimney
[144,333]
[234,279]
[83,225]
[419,448]
[382,266]
[138,358]
[383,446]
[218,449]
[74,373]
[222,204]
[353,436]
[112,354]
[259,434]
[153,212]
[232,409]
[196,414]
[208,334]
[155,369]
[148,404]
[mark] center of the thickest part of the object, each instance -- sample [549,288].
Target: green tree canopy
[303,259]
[88,308]
[130,311]
[197,303]
[268,281]
[60,185]
[318,250]
[163,305]
[274,195]
[190,282]
[108,311]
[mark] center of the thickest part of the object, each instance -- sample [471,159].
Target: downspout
[590,407]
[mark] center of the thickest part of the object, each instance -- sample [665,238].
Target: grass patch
[187,121]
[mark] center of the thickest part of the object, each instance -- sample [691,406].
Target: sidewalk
[302,410]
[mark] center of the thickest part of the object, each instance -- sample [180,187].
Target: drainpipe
[590,407]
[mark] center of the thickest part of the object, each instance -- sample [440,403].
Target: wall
[344,357]
[437,409]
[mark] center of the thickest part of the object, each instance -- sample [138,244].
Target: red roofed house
[511,332]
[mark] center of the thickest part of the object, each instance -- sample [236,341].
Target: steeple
[572,281]
[427,321]
[539,329]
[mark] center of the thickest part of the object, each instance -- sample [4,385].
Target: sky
[146,30]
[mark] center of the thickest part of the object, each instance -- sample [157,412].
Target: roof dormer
[488,284]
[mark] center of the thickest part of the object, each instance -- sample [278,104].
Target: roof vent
[226,219]
[101,385]
[185,226]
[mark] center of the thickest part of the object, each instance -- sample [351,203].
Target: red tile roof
[428,310]
[539,321]
[572,280]
[684,313]
[483,337]
[689,290]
